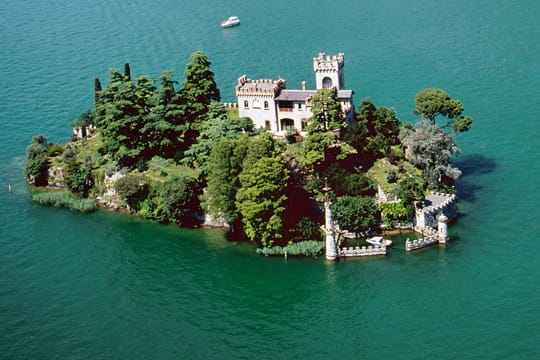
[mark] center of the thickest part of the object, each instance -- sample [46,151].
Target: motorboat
[379,241]
[231,21]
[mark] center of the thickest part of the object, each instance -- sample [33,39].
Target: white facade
[272,106]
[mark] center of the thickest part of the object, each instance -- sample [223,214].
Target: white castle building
[272,106]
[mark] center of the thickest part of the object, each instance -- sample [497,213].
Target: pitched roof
[302,95]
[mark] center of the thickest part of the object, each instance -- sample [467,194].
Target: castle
[272,106]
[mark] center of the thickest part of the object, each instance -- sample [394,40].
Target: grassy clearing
[379,172]
[162,170]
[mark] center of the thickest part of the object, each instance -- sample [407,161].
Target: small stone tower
[331,247]
[442,226]
[329,71]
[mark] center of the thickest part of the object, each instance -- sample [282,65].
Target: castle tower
[331,248]
[329,71]
[443,229]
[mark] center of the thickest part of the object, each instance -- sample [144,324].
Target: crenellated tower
[329,71]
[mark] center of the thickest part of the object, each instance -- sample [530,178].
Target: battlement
[325,62]
[439,203]
[259,87]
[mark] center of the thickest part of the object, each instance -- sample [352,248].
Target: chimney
[303,86]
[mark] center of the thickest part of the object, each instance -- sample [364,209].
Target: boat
[231,21]
[379,241]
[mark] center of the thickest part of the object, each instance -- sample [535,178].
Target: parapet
[327,62]
[270,87]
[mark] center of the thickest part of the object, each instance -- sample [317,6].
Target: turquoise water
[111,286]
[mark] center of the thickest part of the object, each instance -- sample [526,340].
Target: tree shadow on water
[472,165]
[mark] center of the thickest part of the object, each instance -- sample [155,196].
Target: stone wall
[362,251]
[440,203]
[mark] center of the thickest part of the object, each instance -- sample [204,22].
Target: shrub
[391,177]
[290,136]
[54,150]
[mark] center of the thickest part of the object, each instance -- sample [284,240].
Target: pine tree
[198,91]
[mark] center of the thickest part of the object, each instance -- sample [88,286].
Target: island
[294,171]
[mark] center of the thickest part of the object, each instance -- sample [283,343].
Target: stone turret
[442,226]
[331,246]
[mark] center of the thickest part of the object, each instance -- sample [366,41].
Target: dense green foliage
[394,213]
[139,120]
[172,155]
[133,189]
[355,213]
[78,177]
[261,199]
[431,103]
[37,163]
[431,150]
[372,133]
[224,168]
[217,126]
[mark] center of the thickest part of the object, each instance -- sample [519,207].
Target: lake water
[108,285]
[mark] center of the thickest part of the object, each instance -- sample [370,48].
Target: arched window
[327,83]
[246,104]
[266,105]
[287,124]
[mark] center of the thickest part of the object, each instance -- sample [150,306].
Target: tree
[127,71]
[355,213]
[326,109]
[224,167]
[78,177]
[165,125]
[133,189]
[121,116]
[37,163]
[198,91]
[431,150]
[344,182]
[217,126]
[373,132]
[179,200]
[261,200]
[394,212]
[411,190]
[97,90]
[324,125]
[81,180]
[431,103]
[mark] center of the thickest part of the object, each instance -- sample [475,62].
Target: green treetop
[198,91]
[431,103]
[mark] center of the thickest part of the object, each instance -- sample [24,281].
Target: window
[286,106]
[266,105]
[246,104]
[304,124]
[267,125]
[300,106]
[327,83]
[287,124]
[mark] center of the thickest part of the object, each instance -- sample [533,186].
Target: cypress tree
[97,90]
[127,72]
